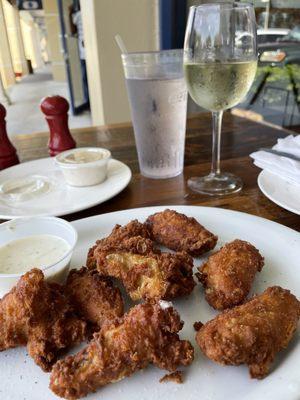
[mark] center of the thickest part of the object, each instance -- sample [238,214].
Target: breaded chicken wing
[38,314]
[252,333]
[228,274]
[146,334]
[94,297]
[118,234]
[180,233]
[145,272]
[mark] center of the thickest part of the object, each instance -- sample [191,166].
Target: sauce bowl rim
[21,220]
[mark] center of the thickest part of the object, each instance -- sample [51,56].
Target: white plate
[280,191]
[62,199]
[203,379]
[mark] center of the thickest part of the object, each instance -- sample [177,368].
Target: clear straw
[121,44]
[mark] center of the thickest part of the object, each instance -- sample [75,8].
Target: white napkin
[284,167]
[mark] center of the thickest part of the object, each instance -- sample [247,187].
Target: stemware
[220,61]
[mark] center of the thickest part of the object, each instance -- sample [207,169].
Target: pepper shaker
[8,153]
[56,109]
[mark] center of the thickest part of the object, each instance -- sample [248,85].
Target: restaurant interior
[149,199]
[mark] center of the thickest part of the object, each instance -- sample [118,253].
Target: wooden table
[240,138]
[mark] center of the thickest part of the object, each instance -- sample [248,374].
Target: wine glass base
[216,184]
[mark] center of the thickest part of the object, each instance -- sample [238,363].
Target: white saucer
[280,191]
[61,199]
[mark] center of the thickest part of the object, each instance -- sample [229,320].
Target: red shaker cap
[54,105]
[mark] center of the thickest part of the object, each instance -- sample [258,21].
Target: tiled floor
[24,115]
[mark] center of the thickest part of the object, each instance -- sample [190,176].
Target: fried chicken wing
[145,271]
[252,333]
[38,314]
[119,234]
[146,334]
[93,296]
[180,233]
[228,274]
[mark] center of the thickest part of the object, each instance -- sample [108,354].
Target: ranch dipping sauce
[85,166]
[83,157]
[22,189]
[39,251]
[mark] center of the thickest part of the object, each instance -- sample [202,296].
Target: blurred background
[67,47]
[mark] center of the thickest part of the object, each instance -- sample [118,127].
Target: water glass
[158,101]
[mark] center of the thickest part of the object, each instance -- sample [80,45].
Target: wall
[6,67]
[54,45]
[13,27]
[137,22]
[31,40]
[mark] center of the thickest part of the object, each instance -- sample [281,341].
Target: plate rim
[176,206]
[260,177]
[78,209]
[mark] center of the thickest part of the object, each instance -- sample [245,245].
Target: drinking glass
[158,99]
[220,61]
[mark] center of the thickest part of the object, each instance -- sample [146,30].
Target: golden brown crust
[252,333]
[94,297]
[180,233]
[146,272]
[176,377]
[118,234]
[146,334]
[38,314]
[227,276]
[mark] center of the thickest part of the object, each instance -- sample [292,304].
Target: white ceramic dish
[203,379]
[79,168]
[61,199]
[280,191]
[23,227]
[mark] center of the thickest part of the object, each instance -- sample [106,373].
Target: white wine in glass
[220,61]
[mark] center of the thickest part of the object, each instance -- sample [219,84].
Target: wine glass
[220,61]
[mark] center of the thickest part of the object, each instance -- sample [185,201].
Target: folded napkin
[284,167]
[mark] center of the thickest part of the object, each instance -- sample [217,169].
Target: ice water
[158,109]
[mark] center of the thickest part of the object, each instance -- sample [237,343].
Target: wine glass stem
[216,142]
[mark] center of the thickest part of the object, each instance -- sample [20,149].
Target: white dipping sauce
[83,157]
[84,166]
[22,189]
[37,251]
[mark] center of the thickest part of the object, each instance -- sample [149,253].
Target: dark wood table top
[240,137]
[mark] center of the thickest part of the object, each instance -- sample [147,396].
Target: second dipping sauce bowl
[85,166]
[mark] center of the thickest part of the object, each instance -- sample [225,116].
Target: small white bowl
[78,170]
[23,227]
